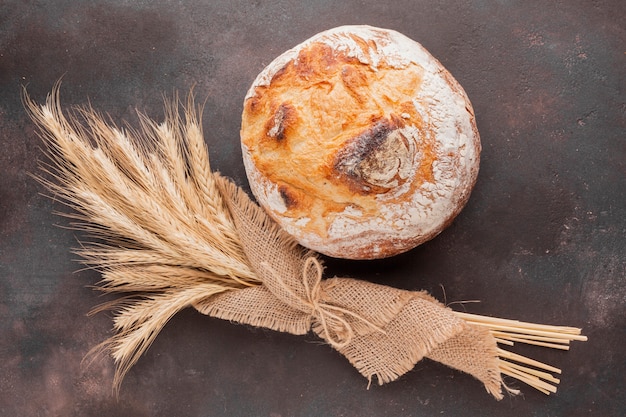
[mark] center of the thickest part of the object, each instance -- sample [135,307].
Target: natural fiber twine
[382,331]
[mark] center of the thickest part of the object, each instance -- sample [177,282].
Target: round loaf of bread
[359,143]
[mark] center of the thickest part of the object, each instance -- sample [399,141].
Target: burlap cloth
[382,331]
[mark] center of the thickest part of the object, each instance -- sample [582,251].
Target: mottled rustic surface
[542,238]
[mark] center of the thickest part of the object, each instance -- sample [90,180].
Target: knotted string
[336,329]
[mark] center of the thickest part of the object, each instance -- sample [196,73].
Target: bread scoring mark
[390,164]
[377,159]
[354,151]
[284,117]
[289,198]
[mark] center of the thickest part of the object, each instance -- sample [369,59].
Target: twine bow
[333,320]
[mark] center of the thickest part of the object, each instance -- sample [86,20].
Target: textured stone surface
[543,237]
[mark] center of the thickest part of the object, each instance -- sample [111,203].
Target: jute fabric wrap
[382,331]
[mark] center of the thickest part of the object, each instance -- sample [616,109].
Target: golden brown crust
[340,133]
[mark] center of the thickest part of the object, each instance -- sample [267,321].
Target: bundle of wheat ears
[168,233]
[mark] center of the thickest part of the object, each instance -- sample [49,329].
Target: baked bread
[359,143]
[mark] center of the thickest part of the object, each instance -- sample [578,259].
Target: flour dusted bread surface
[359,143]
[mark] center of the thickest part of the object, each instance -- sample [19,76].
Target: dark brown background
[542,238]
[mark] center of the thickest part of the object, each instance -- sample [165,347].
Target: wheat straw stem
[524,369]
[504,341]
[528,379]
[537,343]
[515,324]
[540,374]
[523,359]
[506,335]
